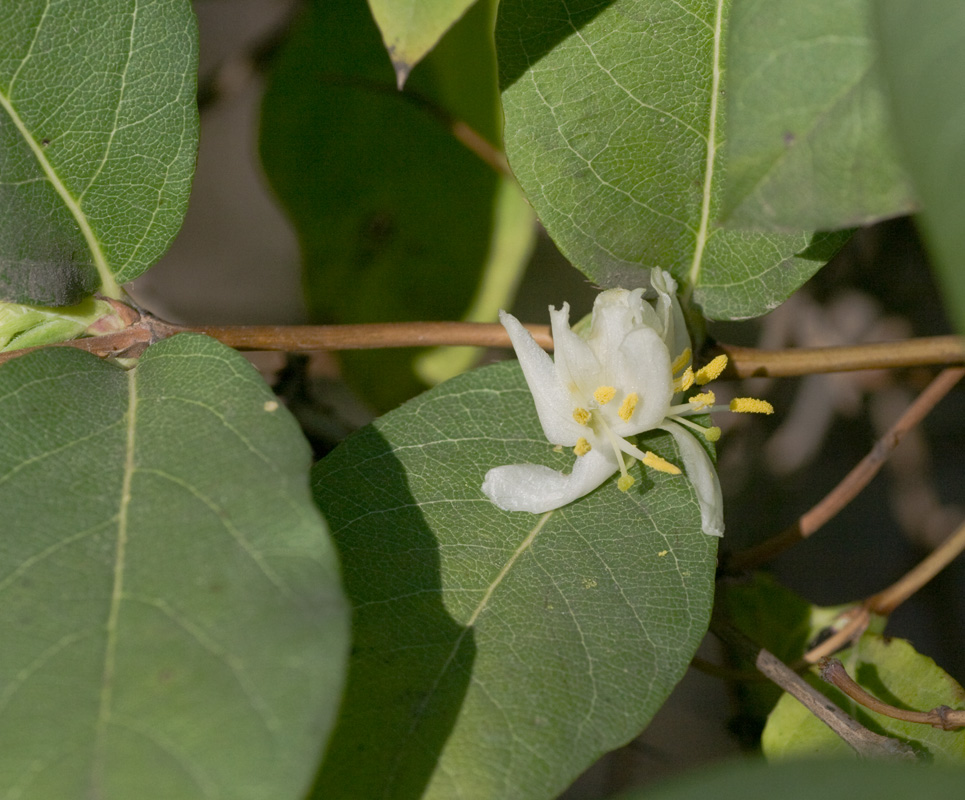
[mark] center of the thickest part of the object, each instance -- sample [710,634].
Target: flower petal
[577,366]
[553,402]
[703,476]
[642,365]
[535,488]
[674,327]
[616,312]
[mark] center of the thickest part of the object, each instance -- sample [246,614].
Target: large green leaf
[892,671]
[171,617]
[396,218]
[923,58]
[98,133]
[411,28]
[809,142]
[614,121]
[810,779]
[499,654]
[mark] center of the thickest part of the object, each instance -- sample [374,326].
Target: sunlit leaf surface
[614,128]
[500,654]
[171,617]
[809,137]
[98,137]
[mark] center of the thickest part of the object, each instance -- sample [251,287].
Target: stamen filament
[625,481]
[711,434]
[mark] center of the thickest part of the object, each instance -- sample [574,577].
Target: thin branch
[884,602]
[854,481]
[302,338]
[749,362]
[864,742]
[888,600]
[744,361]
[857,623]
[943,717]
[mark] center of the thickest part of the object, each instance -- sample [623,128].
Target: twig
[301,338]
[749,362]
[884,602]
[888,600]
[744,361]
[859,618]
[943,717]
[859,477]
[864,742]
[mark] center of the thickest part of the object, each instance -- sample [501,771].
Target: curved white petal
[673,326]
[643,366]
[535,488]
[616,312]
[553,403]
[703,476]
[577,367]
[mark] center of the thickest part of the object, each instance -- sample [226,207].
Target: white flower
[618,380]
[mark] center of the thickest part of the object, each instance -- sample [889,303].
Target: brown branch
[864,742]
[745,361]
[888,600]
[852,483]
[858,619]
[943,717]
[749,362]
[301,338]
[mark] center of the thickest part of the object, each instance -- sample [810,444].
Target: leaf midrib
[702,229]
[417,715]
[117,590]
[108,286]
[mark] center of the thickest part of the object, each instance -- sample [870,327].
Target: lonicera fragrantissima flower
[625,376]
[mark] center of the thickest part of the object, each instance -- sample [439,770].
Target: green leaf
[31,326]
[397,219]
[98,135]
[807,780]
[923,59]
[411,28]
[614,121]
[892,671]
[809,143]
[499,654]
[172,622]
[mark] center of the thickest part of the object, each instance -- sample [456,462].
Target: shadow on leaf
[410,662]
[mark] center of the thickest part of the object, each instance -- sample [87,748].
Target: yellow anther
[685,381]
[681,361]
[712,434]
[702,400]
[624,482]
[582,447]
[711,371]
[751,405]
[604,394]
[627,406]
[581,415]
[654,461]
